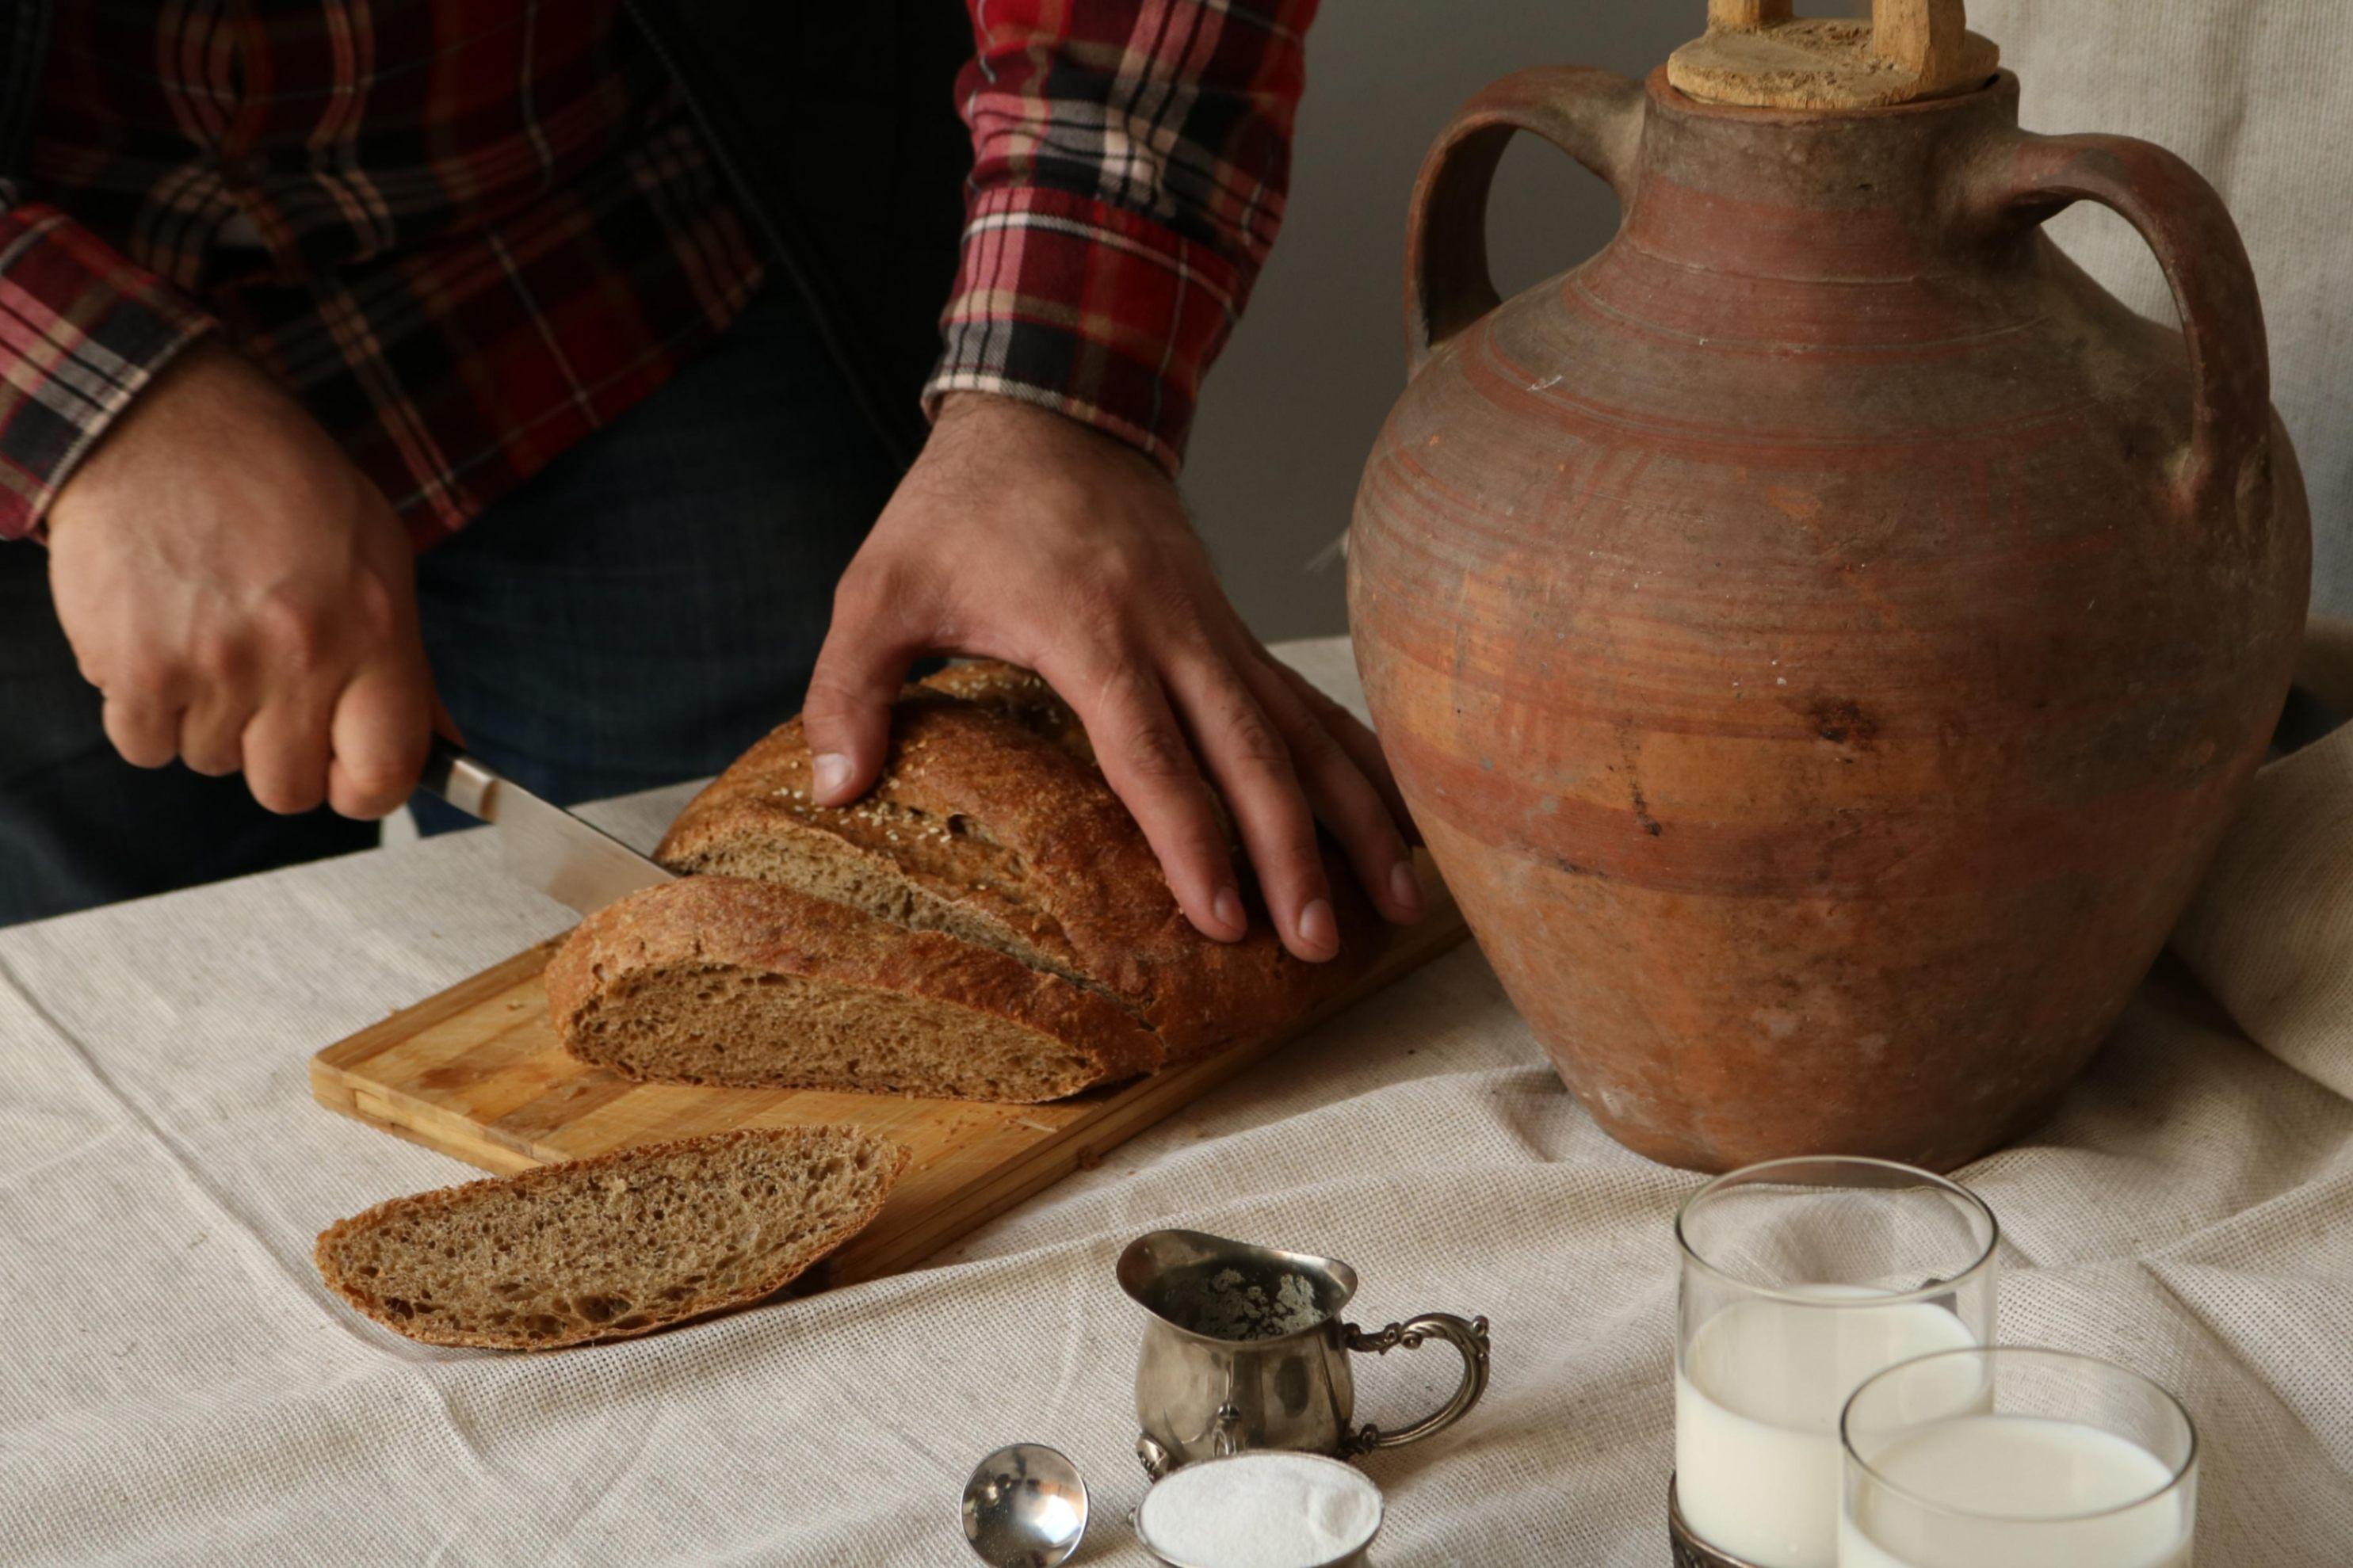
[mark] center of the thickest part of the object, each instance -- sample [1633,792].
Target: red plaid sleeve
[1130,162]
[81,331]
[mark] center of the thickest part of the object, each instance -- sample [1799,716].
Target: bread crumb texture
[614,1246]
[721,980]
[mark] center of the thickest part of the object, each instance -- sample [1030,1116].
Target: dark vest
[836,121]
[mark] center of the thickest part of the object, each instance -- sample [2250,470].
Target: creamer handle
[1467,1335]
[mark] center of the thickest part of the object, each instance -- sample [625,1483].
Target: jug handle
[2227,463]
[1469,1337]
[1594,116]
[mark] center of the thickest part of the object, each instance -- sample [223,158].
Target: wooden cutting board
[476,1072]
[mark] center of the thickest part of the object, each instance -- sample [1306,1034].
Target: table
[180,1388]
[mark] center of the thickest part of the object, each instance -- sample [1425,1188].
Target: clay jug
[1823,636]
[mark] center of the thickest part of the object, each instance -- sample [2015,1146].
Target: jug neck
[1808,195]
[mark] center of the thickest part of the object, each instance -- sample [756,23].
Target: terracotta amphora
[1823,636]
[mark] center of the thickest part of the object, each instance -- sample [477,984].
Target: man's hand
[243,596]
[1022,535]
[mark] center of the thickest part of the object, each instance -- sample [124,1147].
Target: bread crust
[327,1253]
[767,928]
[1089,895]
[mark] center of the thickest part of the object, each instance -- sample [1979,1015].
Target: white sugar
[1265,1510]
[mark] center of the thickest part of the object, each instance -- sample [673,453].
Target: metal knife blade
[545,845]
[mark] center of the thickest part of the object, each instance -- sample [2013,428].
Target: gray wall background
[1291,407]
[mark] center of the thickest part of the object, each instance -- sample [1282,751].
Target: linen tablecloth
[176,1385]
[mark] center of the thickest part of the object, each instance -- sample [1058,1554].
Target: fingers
[212,729]
[1249,756]
[1359,741]
[1145,756]
[146,732]
[378,736]
[847,714]
[287,751]
[1341,796]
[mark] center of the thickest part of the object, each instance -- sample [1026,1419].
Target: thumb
[847,715]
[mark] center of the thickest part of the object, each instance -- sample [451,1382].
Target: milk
[1758,1395]
[2017,1466]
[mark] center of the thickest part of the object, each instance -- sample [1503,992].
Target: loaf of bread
[992,822]
[613,1247]
[988,923]
[718,979]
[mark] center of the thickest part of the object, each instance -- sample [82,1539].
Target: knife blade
[545,845]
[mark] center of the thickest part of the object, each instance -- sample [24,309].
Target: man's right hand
[243,596]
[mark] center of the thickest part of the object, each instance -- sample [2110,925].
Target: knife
[545,845]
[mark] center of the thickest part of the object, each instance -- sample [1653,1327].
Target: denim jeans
[638,613]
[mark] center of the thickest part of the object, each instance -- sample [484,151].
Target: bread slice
[614,1246]
[716,979]
[992,823]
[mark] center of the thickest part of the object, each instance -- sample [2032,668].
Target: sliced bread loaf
[992,823]
[717,979]
[613,1247]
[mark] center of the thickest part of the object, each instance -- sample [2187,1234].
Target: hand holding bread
[1022,535]
[990,922]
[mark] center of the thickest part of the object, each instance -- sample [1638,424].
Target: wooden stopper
[1757,52]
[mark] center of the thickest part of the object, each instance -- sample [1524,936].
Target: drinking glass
[1799,1278]
[2062,1461]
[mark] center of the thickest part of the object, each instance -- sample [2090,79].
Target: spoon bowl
[1025,1507]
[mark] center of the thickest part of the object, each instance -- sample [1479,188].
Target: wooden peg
[1756,52]
[1745,15]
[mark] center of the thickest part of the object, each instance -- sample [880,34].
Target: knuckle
[1365,828]
[1111,577]
[1251,739]
[214,656]
[1152,750]
[1300,859]
[831,699]
[371,614]
[1200,841]
[295,635]
[1317,749]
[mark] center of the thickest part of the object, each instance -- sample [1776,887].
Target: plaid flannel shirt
[468,235]
[1130,166]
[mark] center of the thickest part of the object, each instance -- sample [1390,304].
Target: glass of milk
[2067,1462]
[1799,1279]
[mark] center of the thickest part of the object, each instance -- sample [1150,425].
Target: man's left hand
[1021,535]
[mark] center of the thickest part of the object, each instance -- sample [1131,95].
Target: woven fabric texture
[179,1387]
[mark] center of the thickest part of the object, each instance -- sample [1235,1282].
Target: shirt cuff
[83,331]
[1087,309]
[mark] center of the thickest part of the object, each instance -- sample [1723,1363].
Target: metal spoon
[1025,1507]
